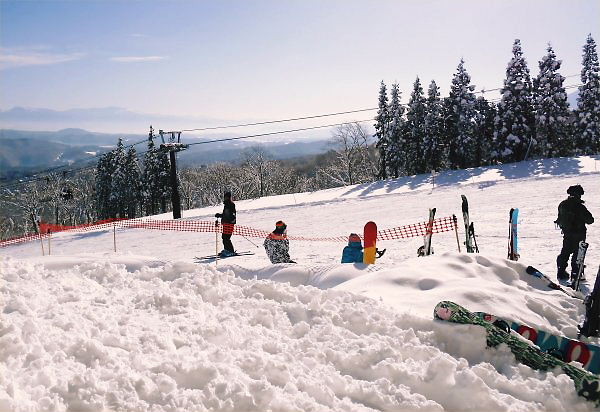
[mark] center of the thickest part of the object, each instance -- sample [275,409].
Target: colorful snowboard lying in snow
[586,383]
[566,349]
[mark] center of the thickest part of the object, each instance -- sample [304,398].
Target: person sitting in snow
[277,244]
[353,253]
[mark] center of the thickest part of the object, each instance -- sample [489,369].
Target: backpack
[567,218]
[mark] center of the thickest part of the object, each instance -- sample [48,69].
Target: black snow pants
[570,247]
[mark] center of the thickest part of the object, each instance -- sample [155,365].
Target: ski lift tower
[172,144]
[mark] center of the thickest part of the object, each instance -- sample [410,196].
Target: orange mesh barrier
[444,224]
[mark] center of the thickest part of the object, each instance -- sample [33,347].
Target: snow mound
[100,336]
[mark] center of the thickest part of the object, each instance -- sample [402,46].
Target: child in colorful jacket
[277,244]
[353,253]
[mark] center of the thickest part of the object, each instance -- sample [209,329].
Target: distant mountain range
[25,152]
[108,119]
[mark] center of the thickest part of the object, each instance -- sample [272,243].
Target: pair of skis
[211,258]
[586,383]
[470,240]
[559,346]
[426,249]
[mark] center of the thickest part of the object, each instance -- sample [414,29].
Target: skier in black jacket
[228,221]
[572,218]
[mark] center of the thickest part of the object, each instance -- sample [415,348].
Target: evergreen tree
[156,186]
[382,120]
[588,103]
[103,183]
[396,149]
[552,110]
[485,112]
[513,126]
[461,133]
[434,151]
[415,131]
[118,192]
[133,197]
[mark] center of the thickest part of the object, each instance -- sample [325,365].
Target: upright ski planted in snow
[473,238]
[427,250]
[465,212]
[370,242]
[583,246]
[513,237]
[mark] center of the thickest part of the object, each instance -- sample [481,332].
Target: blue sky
[239,60]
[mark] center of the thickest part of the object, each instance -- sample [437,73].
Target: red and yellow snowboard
[370,239]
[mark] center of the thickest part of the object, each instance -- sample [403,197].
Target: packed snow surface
[147,329]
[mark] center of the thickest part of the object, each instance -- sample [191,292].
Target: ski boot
[562,274]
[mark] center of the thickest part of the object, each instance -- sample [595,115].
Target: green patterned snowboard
[586,383]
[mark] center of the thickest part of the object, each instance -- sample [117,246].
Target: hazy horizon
[196,64]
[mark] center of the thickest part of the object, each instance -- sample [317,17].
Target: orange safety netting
[444,224]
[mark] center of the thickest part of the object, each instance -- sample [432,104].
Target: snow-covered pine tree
[133,183]
[434,150]
[588,103]
[552,132]
[382,121]
[513,126]
[103,181]
[156,186]
[396,145]
[118,192]
[461,131]
[485,112]
[415,131]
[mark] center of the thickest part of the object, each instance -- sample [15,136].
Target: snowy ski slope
[146,329]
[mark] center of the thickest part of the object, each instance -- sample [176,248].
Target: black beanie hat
[576,190]
[280,227]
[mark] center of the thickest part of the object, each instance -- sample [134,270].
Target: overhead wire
[275,121]
[38,178]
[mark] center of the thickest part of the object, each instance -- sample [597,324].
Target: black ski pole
[249,241]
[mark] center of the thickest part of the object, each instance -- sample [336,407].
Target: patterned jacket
[278,248]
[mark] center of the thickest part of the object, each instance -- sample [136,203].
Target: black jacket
[228,215]
[573,215]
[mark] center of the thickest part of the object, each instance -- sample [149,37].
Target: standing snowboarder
[277,244]
[572,218]
[228,221]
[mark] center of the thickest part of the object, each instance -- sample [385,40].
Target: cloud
[10,58]
[137,59]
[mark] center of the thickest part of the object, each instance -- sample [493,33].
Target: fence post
[216,242]
[49,244]
[42,243]
[456,231]
[115,237]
